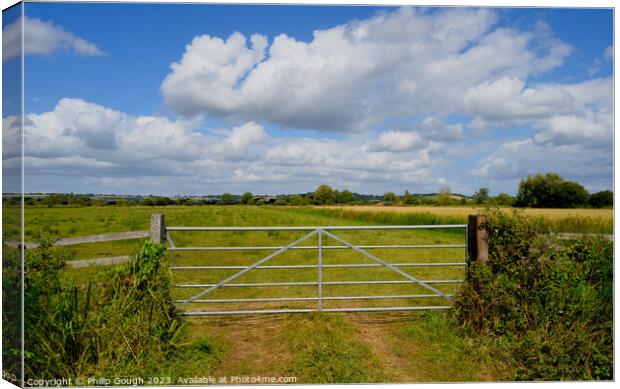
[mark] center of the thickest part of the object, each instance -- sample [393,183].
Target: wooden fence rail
[88,239]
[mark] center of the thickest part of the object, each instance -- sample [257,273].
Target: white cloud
[243,137]
[589,131]
[43,38]
[509,99]
[89,130]
[514,160]
[398,141]
[434,129]
[82,141]
[352,76]
[560,114]
[215,64]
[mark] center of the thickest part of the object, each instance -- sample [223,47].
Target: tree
[336,196]
[390,197]
[163,201]
[482,196]
[226,199]
[602,199]
[503,199]
[408,198]
[295,199]
[324,194]
[444,197]
[84,201]
[572,195]
[550,191]
[346,197]
[56,199]
[247,198]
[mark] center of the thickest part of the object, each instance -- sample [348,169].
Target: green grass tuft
[326,352]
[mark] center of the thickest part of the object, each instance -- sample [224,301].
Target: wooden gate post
[477,239]
[158,228]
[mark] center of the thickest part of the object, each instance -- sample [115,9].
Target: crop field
[463,211]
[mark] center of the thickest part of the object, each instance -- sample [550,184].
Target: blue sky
[196,99]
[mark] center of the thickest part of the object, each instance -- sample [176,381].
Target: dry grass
[462,211]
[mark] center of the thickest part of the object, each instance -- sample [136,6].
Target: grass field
[338,347]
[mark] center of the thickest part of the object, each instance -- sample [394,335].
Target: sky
[185,99]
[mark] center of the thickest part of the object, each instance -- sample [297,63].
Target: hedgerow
[546,304]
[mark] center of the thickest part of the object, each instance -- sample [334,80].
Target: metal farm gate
[319,300]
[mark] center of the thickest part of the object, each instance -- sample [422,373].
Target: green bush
[119,324]
[548,304]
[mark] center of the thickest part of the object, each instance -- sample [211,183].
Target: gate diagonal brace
[397,270]
[283,249]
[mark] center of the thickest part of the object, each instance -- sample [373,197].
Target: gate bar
[282,228]
[238,248]
[276,311]
[344,265]
[312,283]
[278,299]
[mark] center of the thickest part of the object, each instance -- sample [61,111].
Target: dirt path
[415,349]
[252,345]
[377,332]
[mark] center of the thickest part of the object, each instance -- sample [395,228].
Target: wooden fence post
[477,239]
[158,228]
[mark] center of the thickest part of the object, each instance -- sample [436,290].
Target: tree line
[536,191]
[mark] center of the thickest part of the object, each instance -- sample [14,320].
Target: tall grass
[115,325]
